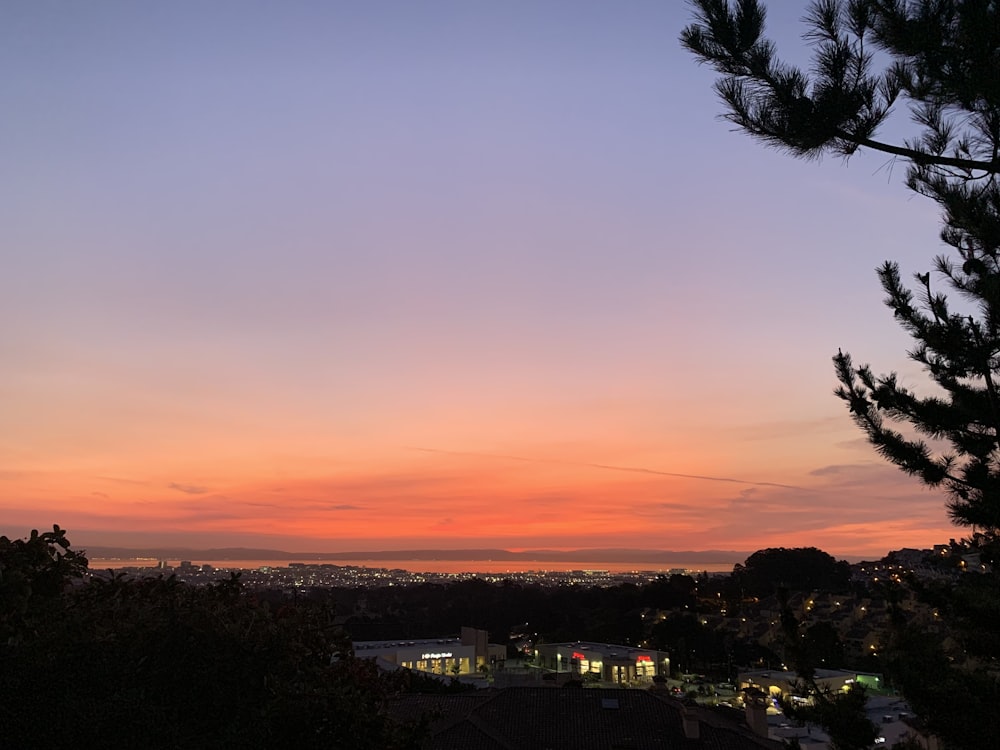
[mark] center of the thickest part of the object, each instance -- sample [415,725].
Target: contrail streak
[608,467]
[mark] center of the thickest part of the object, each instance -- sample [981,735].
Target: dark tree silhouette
[33,572]
[823,645]
[796,569]
[945,67]
[155,663]
[942,64]
[841,714]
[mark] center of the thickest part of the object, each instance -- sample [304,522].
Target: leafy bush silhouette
[156,663]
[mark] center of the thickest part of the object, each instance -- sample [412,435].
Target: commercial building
[782,684]
[603,661]
[465,654]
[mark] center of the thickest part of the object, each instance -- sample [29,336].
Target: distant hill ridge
[589,555]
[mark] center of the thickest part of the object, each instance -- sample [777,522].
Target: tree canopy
[795,569]
[939,61]
[155,663]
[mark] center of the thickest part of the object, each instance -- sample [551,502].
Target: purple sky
[256,254]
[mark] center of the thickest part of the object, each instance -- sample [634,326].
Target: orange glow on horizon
[448,499]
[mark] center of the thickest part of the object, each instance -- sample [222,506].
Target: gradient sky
[374,275]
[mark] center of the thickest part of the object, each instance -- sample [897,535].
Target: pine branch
[923,158]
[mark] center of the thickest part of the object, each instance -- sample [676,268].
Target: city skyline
[371,276]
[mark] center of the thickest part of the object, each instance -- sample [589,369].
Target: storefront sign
[442,655]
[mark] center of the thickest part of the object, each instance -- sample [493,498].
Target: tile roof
[547,718]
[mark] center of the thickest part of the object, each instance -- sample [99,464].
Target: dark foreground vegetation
[156,663]
[153,663]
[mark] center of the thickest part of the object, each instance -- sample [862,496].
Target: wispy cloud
[607,467]
[875,478]
[121,480]
[188,489]
[844,469]
[795,428]
[860,443]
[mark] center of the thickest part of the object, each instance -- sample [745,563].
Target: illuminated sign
[441,655]
[644,658]
[578,655]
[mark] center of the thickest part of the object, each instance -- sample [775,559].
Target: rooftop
[538,718]
[397,643]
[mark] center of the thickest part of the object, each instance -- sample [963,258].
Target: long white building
[606,662]
[465,654]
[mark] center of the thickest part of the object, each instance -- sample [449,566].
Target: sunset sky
[383,275]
